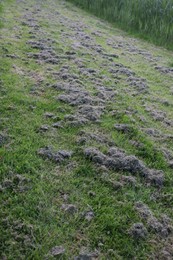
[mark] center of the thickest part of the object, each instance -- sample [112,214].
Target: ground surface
[86,138]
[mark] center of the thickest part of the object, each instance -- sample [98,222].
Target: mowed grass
[151,20]
[32,219]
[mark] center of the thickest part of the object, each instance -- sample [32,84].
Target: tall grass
[1,13]
[152,19]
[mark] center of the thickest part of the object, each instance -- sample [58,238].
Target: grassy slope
[33,221]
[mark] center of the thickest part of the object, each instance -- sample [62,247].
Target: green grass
[32,219]
[0,14]
[151,20]
[171,64]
